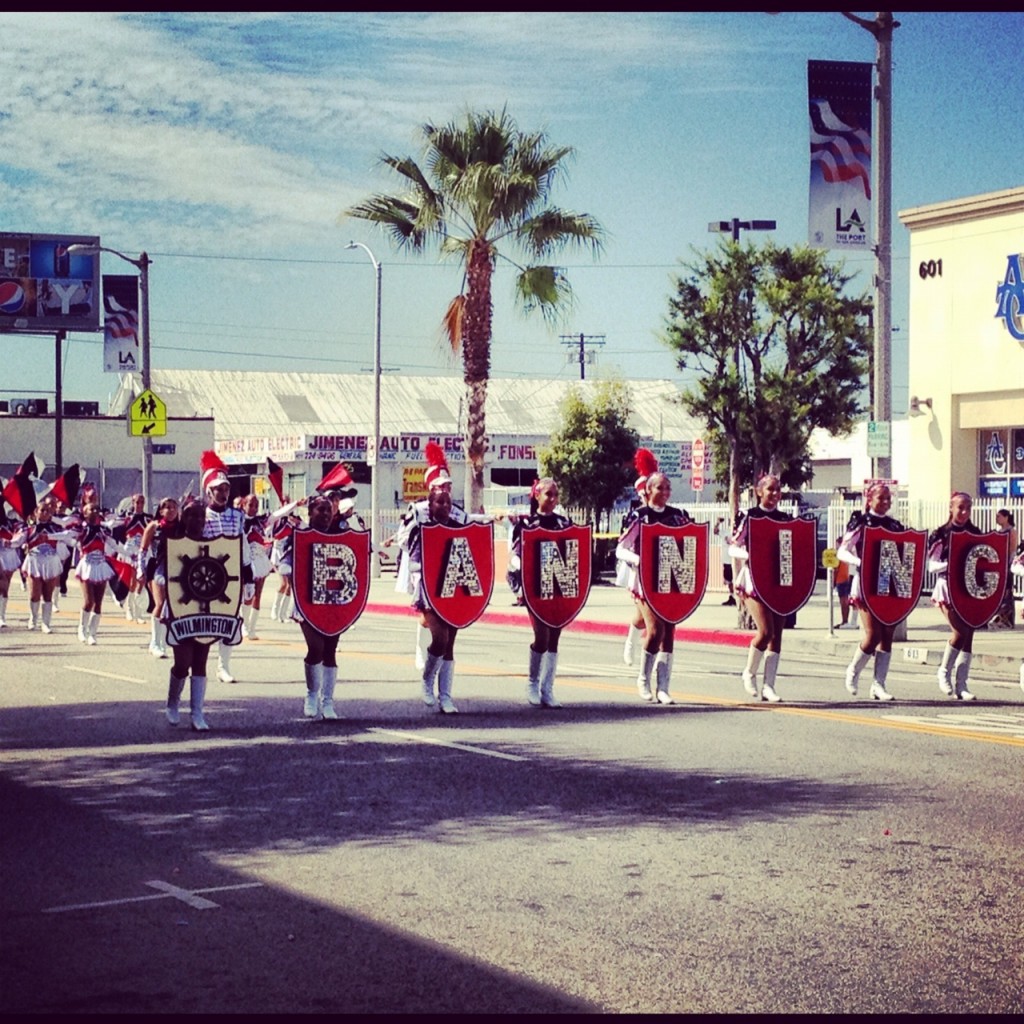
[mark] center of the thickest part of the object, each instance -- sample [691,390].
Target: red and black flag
[275,474]
[337,478]
[19,492]
[65,488]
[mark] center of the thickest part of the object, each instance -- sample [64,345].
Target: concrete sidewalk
[998,654]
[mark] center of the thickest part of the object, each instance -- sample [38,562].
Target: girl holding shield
[767,641]
[877,639]
[659,645]
[544,649]
[956,657]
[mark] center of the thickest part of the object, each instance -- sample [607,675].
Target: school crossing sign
[147,416]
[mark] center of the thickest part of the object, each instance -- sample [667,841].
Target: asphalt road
[822,855]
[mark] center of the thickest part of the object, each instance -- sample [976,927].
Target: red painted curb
[727,638]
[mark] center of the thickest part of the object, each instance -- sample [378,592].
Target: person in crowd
[259,540]
[955,666]
[439,663]
[190,655]
[1005,617]
[659,645]
[876,641]
[842,583]
[723,531]
[645,464]
[10,557]
[281,530]
[766,644]
[95,546]
[543,663]
[1017,569]
[130,535]
[152,568]
[41,536]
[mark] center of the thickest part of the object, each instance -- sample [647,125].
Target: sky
[228,146]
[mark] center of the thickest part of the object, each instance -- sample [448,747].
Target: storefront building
[966,352]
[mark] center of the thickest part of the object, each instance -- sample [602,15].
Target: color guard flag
[839,94]
[337,478]
[275,474]
[65,489]
[19,492]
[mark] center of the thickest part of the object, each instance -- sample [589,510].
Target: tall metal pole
[147,442]
[58,413]
[374,474]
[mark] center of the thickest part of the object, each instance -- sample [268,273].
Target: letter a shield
[782,561]
[458,570]
[891,572]
[556,573]
[978,565]
[330,577]
[673,568]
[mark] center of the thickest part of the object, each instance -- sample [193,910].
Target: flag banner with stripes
[121,324]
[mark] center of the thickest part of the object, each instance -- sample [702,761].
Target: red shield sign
[556,573]
[674,568]
[782,561]
[458,570]
[892,572]
[978,564]
[331,577]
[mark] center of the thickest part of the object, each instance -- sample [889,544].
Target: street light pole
[142,264]
[374,474]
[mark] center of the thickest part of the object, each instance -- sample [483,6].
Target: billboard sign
[44,288]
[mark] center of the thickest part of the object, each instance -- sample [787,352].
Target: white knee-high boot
[94,625]
[83,626]
[254,614]
[854,669]
[422,642]
[329,677]
[33,614]
[3,612]
[174,688]
[431,667]
[961,670]
[754,657]
[548,668]
[629,648]
[878,690]
[949,653]
[643,680]
[314,680]
[771,667]
[533,686]
[224,663]
[197,696]
[445,678]
[47,612]
[663,676]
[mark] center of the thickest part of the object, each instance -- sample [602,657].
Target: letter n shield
[556,573]
[458,570]
[978,564]
[331,577]
[782,561]
[892,572]
[674,568]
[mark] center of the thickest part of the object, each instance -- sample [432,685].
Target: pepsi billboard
[45,288]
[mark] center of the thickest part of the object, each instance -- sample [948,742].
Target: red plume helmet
[646,464]
[212,470]
[437,466]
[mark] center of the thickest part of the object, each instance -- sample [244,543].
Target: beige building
[966,368]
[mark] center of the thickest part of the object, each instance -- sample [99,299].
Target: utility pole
[584,341]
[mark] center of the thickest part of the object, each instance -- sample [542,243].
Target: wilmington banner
[839,94]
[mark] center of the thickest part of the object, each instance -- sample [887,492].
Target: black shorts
[727,572]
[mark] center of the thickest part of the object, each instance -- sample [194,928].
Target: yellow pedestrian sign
[147,416]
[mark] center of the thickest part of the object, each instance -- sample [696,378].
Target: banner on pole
[839,94]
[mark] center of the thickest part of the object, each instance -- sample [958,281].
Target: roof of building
[259,403]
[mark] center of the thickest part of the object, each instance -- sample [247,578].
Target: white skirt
[43,566]
[260,561]
[10,559]
[94,568]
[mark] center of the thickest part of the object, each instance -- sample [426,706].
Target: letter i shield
[782,561]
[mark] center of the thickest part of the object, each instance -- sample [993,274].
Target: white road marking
[981,721]
[168,891]
[107,675]
[448,743]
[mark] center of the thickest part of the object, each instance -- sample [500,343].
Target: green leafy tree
[591,452]
[778,349]
[483,189]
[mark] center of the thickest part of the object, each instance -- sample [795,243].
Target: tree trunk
[476,359]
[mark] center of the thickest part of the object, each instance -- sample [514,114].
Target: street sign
[147,416]
[879,439]
[697,465]
[169,449]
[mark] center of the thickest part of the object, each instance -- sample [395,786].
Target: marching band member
[1017,569]
[153,570]
[222,520]
[439,664]
[130,535]
[645,464]
[280,532]
[956,657]
[93,570]
[10,558]
[767,640]
[255,527]
[877,639]
[540,690]
[41,538]
[658,648]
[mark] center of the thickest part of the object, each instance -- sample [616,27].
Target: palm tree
[486,184]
